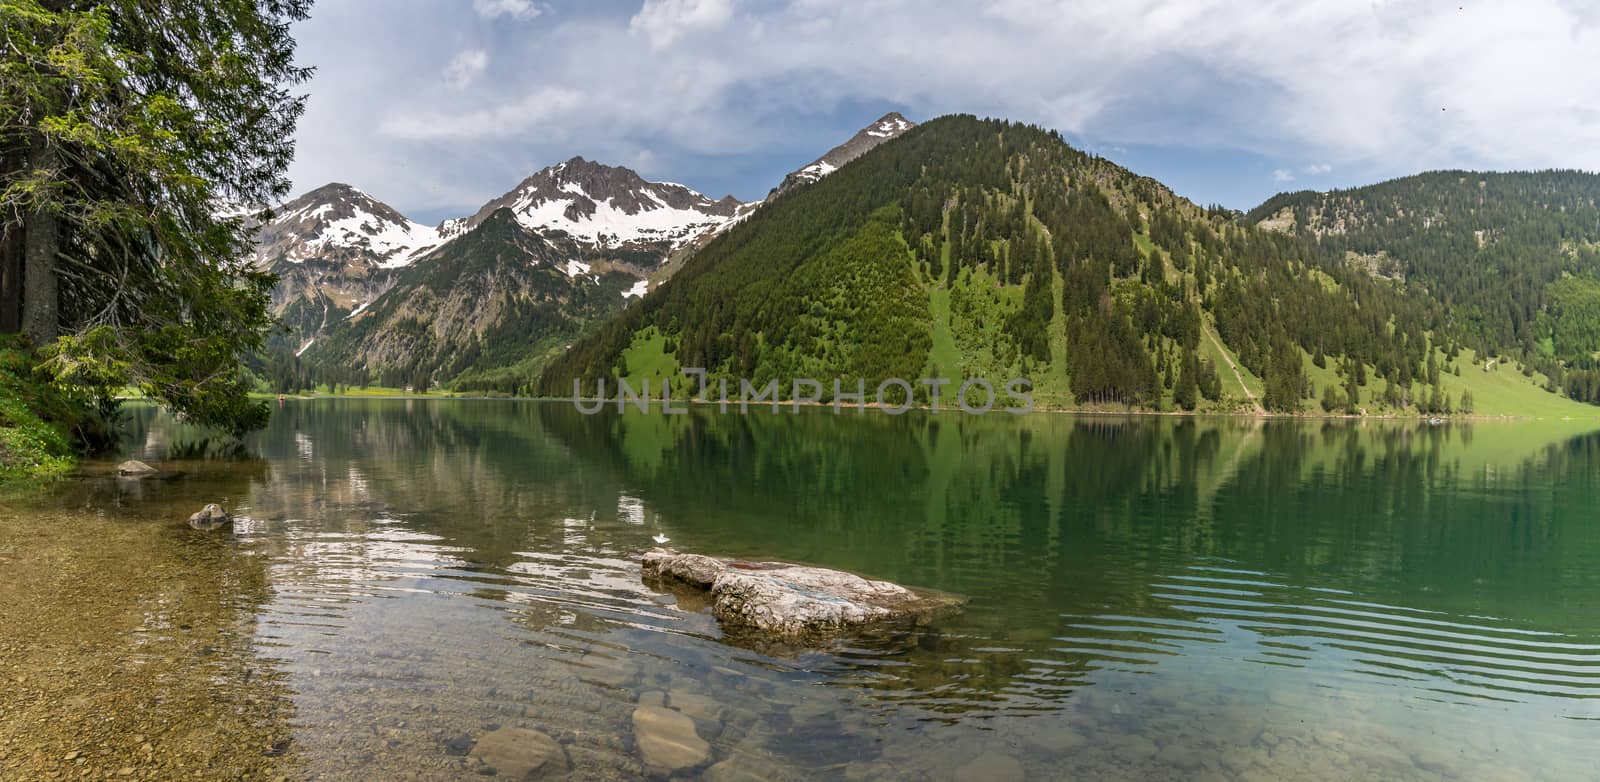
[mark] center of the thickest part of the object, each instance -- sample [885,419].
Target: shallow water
[1150,599]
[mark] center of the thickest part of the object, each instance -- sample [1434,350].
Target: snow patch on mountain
[609,225]
[890,126]
[338,217]
[886,127]
[606,207]
[360,309]
[396,243]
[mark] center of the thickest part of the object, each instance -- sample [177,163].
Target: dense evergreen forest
[1509,261]
[124,124]
[982,248]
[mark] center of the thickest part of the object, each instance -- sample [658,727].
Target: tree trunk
[11,280]
[41,318]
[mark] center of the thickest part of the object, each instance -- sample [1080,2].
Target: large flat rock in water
[796,602]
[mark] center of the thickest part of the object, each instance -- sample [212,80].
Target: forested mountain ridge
[1510,260]
[969,247]
[596,224]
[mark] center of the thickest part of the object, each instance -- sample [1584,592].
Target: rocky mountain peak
[889,126]
[884,128]
[605,206]
[339,219]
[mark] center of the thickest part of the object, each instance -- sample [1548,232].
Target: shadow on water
[1148,597]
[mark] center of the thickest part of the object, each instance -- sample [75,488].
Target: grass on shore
[324,390]
[31,447]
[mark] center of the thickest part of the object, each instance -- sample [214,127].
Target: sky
[437,106]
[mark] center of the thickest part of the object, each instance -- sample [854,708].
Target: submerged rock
[667,739]
[211,517]
[991,767]
[133,468]
[796,602]
[514,753]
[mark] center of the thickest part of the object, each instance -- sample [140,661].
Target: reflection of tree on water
[1053,519]
[1053,525]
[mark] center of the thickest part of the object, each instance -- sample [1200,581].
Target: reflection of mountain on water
[1184,581]
[1094,544]
[1190,586]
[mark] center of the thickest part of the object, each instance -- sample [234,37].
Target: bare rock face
[796,602]
[211,517]
[133,468]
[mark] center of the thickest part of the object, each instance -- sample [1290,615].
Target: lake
[1149,598]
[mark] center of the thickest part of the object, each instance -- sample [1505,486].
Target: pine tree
[125,123]
[1210,382]
[1352,388]
[1330,398]
[1188,382]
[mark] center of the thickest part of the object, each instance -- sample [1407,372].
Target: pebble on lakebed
[796,602]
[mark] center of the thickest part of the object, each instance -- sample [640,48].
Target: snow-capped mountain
[606,207]
[363,287]
[338,218]
[887,127]
[335,250]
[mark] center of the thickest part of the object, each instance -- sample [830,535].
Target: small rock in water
[514,753]
[1056,739]
[734,770]
[667,739]
[795,602]
[211,517]
[694,569]
[1181,756]
[133,468]
[991,767]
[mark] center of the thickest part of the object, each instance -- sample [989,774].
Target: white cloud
[664,21]
[466,67]
[1366,89]
[1342,81]
[546,106]
[1282,175]
[516,9]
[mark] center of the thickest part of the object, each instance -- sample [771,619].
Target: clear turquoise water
[1150,598]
